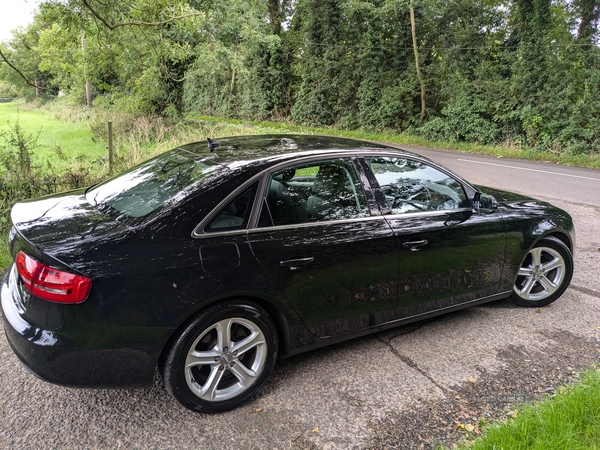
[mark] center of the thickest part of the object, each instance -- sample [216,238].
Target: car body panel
[462,259]
[527,221]
[351,281]
[151,274]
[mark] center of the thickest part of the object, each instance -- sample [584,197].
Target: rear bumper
[80,356]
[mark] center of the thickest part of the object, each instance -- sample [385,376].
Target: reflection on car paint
[192,229]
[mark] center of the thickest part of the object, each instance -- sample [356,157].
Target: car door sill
[328,340]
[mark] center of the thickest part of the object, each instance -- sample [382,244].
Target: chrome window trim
[358,153]
[312,224]
[429,213]
[217,234]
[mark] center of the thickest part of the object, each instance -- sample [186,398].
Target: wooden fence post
[110,147]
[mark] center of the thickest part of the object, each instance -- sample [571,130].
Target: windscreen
[146,188]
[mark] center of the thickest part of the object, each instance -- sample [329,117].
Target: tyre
[544,274]
[221,358]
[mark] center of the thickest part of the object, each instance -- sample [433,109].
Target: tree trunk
[88,93]
[274,16]
[413,29]
[589,10]
[88,90]
[37,89]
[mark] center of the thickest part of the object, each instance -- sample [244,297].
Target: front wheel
[544,274]
[221,358]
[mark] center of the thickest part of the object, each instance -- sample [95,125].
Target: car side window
[315,192]
[413,186]
[235,215]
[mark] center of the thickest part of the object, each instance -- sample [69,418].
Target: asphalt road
[569,184]
[406,388]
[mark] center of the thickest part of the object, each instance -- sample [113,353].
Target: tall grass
[137,138]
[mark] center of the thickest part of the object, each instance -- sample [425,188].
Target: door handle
[295,264]
[415,246]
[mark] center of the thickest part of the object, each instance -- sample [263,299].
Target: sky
[14,13]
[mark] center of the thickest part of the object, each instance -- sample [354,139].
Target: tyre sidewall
[173,370]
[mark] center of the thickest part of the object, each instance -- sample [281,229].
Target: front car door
[449,254]
[331,253]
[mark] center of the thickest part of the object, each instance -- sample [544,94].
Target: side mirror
[476,199]
[484,202]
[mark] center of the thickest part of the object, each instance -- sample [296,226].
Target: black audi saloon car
[211,262]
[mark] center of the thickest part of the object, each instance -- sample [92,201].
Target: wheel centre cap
[228,357]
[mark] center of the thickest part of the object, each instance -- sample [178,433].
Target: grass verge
[64,143]
[568,420]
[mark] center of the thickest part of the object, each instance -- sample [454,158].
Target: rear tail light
[52,284]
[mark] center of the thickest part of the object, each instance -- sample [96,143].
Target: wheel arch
[562,236]
[275,313]
[538,230]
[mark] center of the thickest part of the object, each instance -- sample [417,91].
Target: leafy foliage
[20,178]
[517,71]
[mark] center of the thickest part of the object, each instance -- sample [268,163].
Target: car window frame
[263,181]
[200,230]
[371,204]
[246,219]
[469,190]
[373,193]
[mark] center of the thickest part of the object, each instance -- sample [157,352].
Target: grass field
[62,142]
[70,141]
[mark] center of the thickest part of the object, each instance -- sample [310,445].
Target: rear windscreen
[147,187]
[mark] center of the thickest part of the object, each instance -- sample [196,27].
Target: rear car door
[327,247]
[449,254]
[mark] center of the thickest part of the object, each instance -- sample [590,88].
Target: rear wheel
[544,274]
[221,358]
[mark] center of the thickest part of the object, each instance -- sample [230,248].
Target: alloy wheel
[226,359]
[541,274]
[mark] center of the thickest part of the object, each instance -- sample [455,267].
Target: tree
[488,71]
[589,13]
[326,89]
[413,28]
[21,63]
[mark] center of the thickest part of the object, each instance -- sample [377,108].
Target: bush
[7,90]
[462,120]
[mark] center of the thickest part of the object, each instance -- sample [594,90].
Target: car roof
[266,150]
